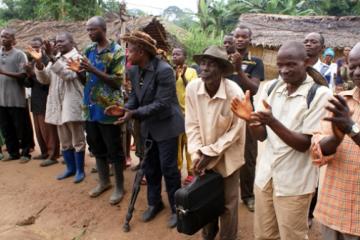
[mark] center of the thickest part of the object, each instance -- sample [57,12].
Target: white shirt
[321,67]
[212,128]
[327,70]
[64,102]
[292,171]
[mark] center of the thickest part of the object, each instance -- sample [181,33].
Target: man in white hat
[216,137]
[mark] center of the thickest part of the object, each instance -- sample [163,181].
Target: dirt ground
[69,213]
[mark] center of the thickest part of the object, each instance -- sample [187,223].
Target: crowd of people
[201,115]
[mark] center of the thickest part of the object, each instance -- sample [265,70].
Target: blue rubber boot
[79,162]
[69,159]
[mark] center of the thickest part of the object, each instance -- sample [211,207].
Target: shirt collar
[3,51]
[149,66]
[317,65]
[221,92]
[109,47]
[302,90]
[354,93]
[68,54]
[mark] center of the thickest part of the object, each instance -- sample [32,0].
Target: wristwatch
[355,130]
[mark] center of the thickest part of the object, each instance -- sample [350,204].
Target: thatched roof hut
[153,27]
[26,30]
[270,31]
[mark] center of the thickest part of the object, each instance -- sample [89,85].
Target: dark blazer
[155,104]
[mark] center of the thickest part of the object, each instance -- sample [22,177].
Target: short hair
[10,31]
[38,39]
[99,21]
[243,27]
[183,50]
[68,36]
[297,48]
[321,37]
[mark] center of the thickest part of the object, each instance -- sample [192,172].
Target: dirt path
[68,212]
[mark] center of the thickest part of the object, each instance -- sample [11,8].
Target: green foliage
[3,23]
[217,17]
[182,17]
[197,40]
[336,7]
[18,9]
[54,9]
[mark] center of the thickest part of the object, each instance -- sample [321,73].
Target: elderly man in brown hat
[216,137]
[153,101]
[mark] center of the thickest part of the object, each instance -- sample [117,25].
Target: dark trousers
[29,127]
[162,161]
[13,124]
[105,141]
[313,204]
[247,171]
[47,136]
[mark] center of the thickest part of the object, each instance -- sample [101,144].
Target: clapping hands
[341,116]
[75,65]
[242,108]
[35,54]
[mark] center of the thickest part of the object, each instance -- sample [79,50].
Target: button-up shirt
[212,128]
[292,171]
[338,206]
[65,91]
[97,94]
[12,92]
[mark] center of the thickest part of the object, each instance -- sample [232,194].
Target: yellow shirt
[190,74]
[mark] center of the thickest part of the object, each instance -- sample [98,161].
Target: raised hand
[49,48]
[74,65]
[236,60]
[242,108]
[341,120]
[265,116]
[86,65]
[36,55]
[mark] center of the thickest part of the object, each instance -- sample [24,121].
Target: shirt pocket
[223,123]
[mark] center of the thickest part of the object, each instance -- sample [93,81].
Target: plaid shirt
[338,206]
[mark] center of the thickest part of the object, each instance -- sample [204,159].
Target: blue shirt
[97,94]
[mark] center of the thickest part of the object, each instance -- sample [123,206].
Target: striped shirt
[338,206]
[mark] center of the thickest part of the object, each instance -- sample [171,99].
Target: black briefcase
[199,203]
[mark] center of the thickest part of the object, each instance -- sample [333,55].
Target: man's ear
[323,49]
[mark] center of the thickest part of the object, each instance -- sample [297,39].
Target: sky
[156,7]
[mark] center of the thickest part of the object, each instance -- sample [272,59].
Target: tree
[173,13]
[51,9]
[181,17]
[20,9]
[288,7]
[337,7]
[136,12]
